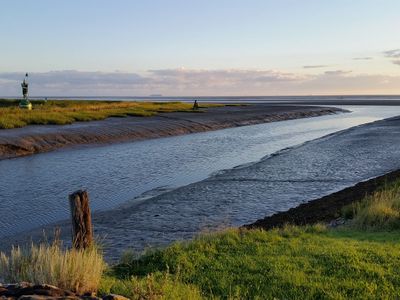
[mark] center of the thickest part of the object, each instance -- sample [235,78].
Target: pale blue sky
[198,38]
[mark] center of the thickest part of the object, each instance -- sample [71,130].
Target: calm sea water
[34,189]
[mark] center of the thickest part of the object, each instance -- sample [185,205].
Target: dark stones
[114,297]
[27,291]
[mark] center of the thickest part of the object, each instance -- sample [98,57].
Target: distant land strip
[43,138]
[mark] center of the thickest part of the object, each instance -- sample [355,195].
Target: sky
[200,47]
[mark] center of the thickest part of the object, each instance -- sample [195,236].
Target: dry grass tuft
[76,270]
[380,211]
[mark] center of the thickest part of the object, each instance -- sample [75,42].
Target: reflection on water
[34,189]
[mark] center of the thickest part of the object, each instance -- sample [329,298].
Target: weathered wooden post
[82,231]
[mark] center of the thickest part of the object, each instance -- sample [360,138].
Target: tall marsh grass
[76,270]
[379,211]
[60,112]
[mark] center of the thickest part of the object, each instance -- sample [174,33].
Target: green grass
[60,112]
[292,263]
[360,260]
[159,285]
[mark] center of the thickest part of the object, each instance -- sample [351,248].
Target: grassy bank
[360,260]
[62,112]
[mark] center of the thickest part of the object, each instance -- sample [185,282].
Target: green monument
[24,103]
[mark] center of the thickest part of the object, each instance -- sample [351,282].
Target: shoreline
[148,224]
[327,208]
[35,139]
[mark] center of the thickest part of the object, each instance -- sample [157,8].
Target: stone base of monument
[25,104]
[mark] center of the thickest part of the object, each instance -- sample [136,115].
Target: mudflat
[43,138]
[328,208]
[272,186]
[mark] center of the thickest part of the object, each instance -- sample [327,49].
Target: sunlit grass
[60,112]
[76,270]
[160,285]
[360,260]
[290,263]
[379,211]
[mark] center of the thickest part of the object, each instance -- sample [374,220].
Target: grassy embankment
[62,112]
[360,260]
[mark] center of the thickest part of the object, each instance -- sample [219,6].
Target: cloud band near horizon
[189,82]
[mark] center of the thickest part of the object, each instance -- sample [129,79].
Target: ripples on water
[34,189]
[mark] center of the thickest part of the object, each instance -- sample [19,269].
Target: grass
[75,270]
[360,260]
[380,211]
[60,112]
[153,286]
[292,263]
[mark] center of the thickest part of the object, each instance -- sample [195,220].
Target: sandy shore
[42,138]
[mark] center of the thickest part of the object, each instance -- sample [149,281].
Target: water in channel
[34,189]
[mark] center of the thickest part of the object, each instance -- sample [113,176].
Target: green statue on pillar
[24,103]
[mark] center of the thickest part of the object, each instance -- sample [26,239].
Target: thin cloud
[337,73]
[315,66]
[166,81]
[363,58]
[395,53]
[184,82]
[210,76]
[76,78]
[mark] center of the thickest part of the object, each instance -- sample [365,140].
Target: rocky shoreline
[43,138]
[28,291]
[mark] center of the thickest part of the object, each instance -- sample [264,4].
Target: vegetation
[381,211]
[291,263]
[75,270]
[159,285]
[359,260]
[62,112]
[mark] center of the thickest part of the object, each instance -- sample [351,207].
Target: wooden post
[82,232]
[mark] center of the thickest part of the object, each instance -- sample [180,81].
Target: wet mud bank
[327,208]
[43,138]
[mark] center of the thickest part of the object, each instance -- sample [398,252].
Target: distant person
[195,105]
